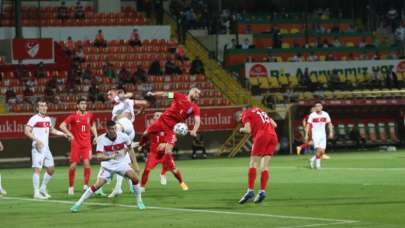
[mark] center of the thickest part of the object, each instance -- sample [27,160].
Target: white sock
[35,181]
[118,185]
[85,196]
[137,191]
[0,183]
[129,182]
[313,158]
[45,181]
[318,163]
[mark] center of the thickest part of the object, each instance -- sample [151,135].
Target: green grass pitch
[362,189]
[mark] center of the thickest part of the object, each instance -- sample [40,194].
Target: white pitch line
[319,224]
[343,168]
[329,220]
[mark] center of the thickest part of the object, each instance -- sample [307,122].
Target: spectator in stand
[88,74]
[63,11]
[124,76]
[108,70]
[391,80]
[330,57]
[79,12]
[11,97]
[154,68]
[312,57]
[99,41]
[140,74]
[21,72]
[79,55]
[70,46]
[171,68]
[246,44]
[363,42]
[296,44]
[297,58]
[49,93]
[305,80]
[198,144]
[336,42]
[40,73]
[400,37]
[28,95]
[181,53]
[325,43]
[197,66]
[94,94]
[135,40]
[231,45]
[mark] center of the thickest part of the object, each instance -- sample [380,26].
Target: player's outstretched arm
[197,124]
[101,157]
[160,94]
[63,128]
[307,129]
[59,133]
[273,123]
[247,129]
[331,131]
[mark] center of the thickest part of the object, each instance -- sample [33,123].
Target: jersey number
[83,128]
[265,118]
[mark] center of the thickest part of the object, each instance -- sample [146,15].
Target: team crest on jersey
[162,133]
[190,110]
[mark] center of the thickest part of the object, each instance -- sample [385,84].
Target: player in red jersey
[180,109]
[308,144]
[2,190]
[257,123]
[81,123]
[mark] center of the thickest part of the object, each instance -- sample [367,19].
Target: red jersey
[180,109]
[260,122]
[80,125]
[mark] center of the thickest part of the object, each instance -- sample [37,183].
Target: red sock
[93,189]
[252,178]
[135,181]
[318,156]
[305,146]
[145,177]
[86,174]
[263,180]
[72,173]
[178,176]
[163,171]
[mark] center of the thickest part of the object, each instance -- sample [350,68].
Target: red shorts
[79,151]
[264,144]
[155,158]
[158,127]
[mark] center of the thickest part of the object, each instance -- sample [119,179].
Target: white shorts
[108,169]
[42,158]
[127,127]
[319,142]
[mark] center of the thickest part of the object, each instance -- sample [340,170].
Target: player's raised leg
[251,180]
[168,162]
[102,179]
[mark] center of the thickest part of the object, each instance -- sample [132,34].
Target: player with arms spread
[112,147]
[182,107]
[37,129]
[262,128]
[317,122]
[81,123]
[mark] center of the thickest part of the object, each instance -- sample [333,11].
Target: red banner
[212,119]
[33,49]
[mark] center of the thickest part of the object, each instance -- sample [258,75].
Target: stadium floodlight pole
[17,13]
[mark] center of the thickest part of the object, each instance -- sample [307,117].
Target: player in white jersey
[317,122]
[112,147]
[123,114]
[2,190]
[37,129]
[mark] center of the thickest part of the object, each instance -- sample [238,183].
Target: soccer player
[257,123]
[37,129]
[182,107]
[155,156]
[81,123]
[317,122]
[112,147]
[124,114]
[2,190]
[308,144]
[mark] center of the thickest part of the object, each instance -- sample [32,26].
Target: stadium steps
[234,143]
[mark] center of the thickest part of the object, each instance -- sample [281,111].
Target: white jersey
[123,106]
[117,147]
[318,122]
[40,128]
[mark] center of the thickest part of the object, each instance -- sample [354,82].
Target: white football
[180,129]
